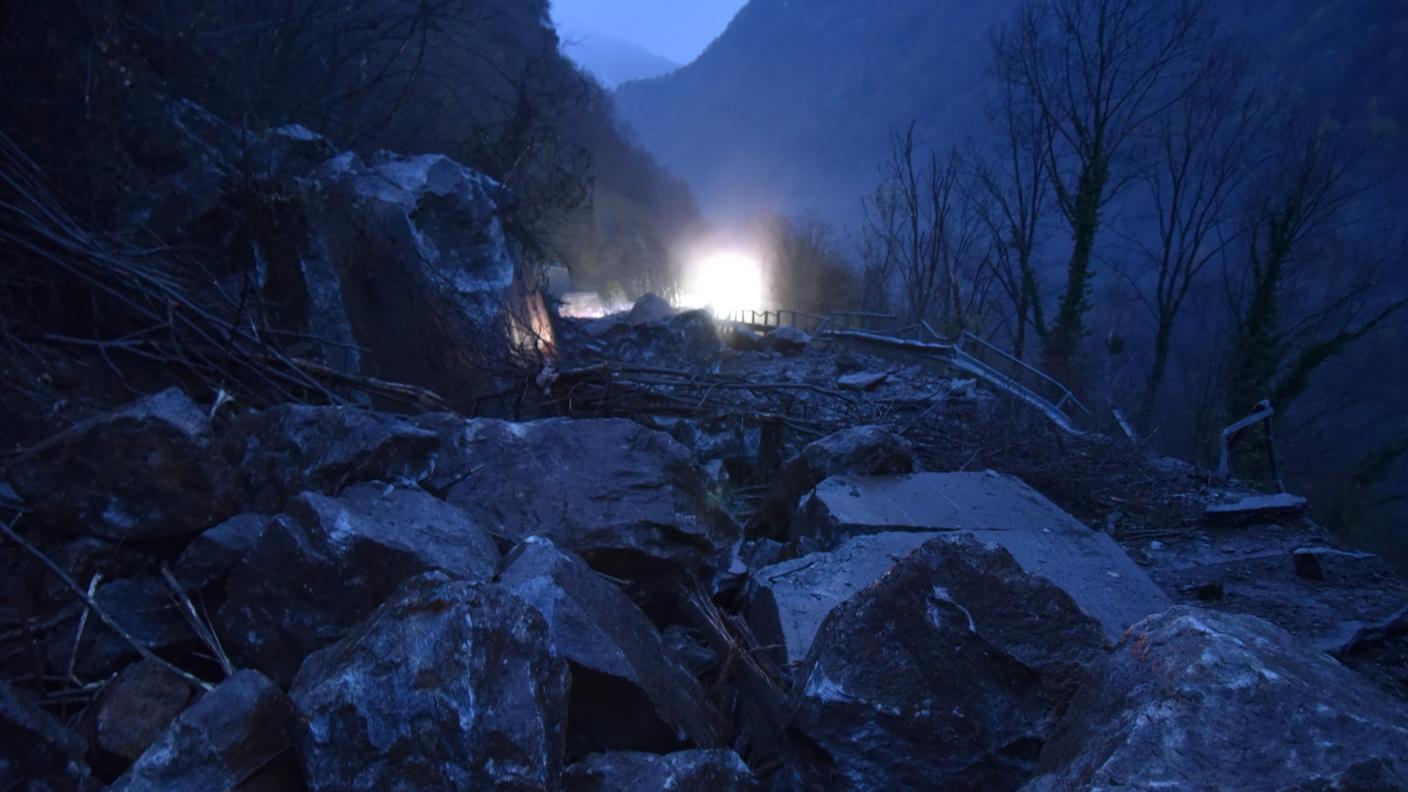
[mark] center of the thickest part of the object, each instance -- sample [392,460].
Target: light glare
[724,282]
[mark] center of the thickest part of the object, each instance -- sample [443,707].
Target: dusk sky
[676,29]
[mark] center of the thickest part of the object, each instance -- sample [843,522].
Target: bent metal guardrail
[964,352]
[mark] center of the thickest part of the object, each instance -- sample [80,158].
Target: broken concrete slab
[1045,540]
[1253,506]
[787,602]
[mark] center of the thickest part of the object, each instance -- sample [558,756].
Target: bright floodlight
[724,282]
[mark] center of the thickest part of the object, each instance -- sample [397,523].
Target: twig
[147,654]
[203,631]
[82,625]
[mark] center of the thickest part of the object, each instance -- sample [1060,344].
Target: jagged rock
[143,607]
[1380,652]
[650,308]
[787,602]
[787,340]
[291,448]
[149,470]
[861,450]
[688,650]
[947,673]
[629,500]
[626,692]
[212,555]
[135,709]
[449,685]
[330,562]
[1088,565]
[237,736]
[862,380]
[744,338]
[1327,563]
[37,752]
[687,340]
[684,771]
[1193,699]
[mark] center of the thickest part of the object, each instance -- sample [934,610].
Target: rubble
[1192,699]
[1089,566]
[135,709]
[326,565]
[684,771]
[862,380]
[38,752]
[146,471]
[787,602]
[238,735]
[626,691]
[1254,506]
[641,511]
[448,685]
[948,672]
[1324,563]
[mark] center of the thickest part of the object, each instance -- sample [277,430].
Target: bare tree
[1099,71]
[924,228]
[1204,152]
[1012,197]
[1291,318]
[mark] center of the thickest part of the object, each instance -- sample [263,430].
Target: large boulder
[237,736]
[149,470]
[683,771]
[37,752]
[860,450]
[787,602]
[626,691]
[947,673]
[630,501]
[1088,565]
[291,448]
[450,685]
[1194,699]
[326,565]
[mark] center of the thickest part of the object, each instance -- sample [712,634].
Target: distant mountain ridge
[611,60]
[791,108]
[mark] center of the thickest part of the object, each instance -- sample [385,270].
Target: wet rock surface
[948,672]
[627,692]
[450,685]
[237,736]
[290,449]
[1192,698]
[686,771]
[150,470]
[787,602]
[630,501]
[327,564]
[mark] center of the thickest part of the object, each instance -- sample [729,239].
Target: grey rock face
[787,602]
[237,736]
[630,501]
[38,753]
[1195,699]
[289,449]
[862,450]
[626,691]
[149,470]
[330,562]
[947,673]
[1089,566]
[449,685]
[684,771]
[212,555]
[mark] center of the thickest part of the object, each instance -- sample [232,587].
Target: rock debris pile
[330,598]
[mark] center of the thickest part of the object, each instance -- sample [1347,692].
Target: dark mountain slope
[791,108]
[612,60]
